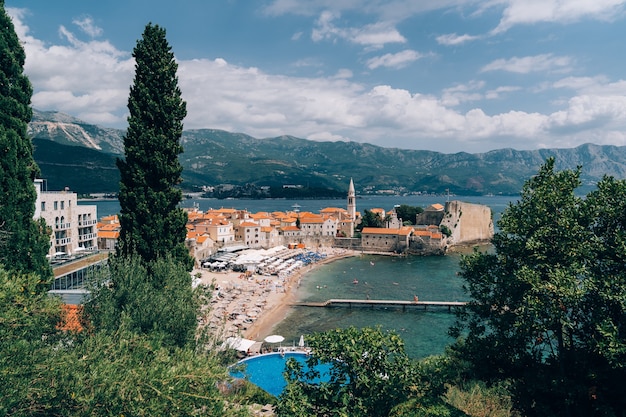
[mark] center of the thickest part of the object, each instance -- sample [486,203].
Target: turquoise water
[432,278]
[266,371]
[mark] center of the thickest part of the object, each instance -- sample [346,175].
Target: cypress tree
[24,242]
[152,223]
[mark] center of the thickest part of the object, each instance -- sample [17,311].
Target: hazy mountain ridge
[67,130]
[214,157]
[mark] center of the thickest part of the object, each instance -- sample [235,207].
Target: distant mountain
[215,157]
[81,169]
[67,130]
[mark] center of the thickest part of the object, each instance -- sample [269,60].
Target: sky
[447,75]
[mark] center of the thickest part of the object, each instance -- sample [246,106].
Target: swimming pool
[266,371]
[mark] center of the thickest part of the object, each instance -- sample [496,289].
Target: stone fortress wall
[468,222]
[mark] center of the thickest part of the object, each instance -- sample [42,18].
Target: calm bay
[431,278]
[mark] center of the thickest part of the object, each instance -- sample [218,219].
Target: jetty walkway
[337,302]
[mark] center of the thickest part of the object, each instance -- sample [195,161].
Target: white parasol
[274,338]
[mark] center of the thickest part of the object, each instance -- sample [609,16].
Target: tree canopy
[370,375]
[152,223]
[407,213]
[548,309]
[24,242]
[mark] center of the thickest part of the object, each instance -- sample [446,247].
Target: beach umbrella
[301,342]
[239,343]
[274,338]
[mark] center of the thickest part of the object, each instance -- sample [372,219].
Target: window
[56,205]
[43,206]
[62,205]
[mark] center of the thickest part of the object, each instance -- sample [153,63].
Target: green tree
[28,319]
[548,309]
[370,219]
[370,375]
[407,213]
[160,303]
[24,242]
[152,223]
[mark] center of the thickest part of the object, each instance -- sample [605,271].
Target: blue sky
[447,75]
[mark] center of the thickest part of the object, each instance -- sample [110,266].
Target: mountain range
[75,154]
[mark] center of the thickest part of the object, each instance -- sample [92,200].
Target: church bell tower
[352,201]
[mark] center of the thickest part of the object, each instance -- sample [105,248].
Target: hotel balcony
[63,241]
[85,223]
[87,236]
[62,226]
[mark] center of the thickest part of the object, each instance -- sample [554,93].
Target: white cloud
[453,39]
[91,80]
[398,60]
[498,92]
[527,64]
[461,93]
[373,35]
[519,12]
[88,26]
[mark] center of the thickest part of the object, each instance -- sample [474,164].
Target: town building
[386,239]
[74,226]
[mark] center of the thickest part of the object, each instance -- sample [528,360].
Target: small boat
[372,263]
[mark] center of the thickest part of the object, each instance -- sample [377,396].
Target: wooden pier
[336,302]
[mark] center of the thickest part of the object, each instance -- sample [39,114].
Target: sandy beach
[251,305]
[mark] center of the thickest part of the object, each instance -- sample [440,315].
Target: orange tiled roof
[333,210]
[110,219]
[422,233]
[260,215]
[226,210]
[202,238]
[387,231]
[108,234]
[70,318]
[435,206]
[109,227]
[311,219]
[291,228]
[248,224]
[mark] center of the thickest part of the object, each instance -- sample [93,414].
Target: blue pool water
[266,371]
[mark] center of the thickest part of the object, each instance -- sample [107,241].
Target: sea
[430,278]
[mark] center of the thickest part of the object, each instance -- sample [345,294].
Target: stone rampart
[468,223]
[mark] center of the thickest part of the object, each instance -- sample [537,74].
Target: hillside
[82,156]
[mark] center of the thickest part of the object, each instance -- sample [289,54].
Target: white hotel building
[73,226]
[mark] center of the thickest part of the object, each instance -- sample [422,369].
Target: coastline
[238,295]
[273,315]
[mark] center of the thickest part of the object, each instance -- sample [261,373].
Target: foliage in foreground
[549,305]
[28,317]
[115,370]
[162,304]
[370,375]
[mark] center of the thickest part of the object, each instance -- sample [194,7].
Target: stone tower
[352,202]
